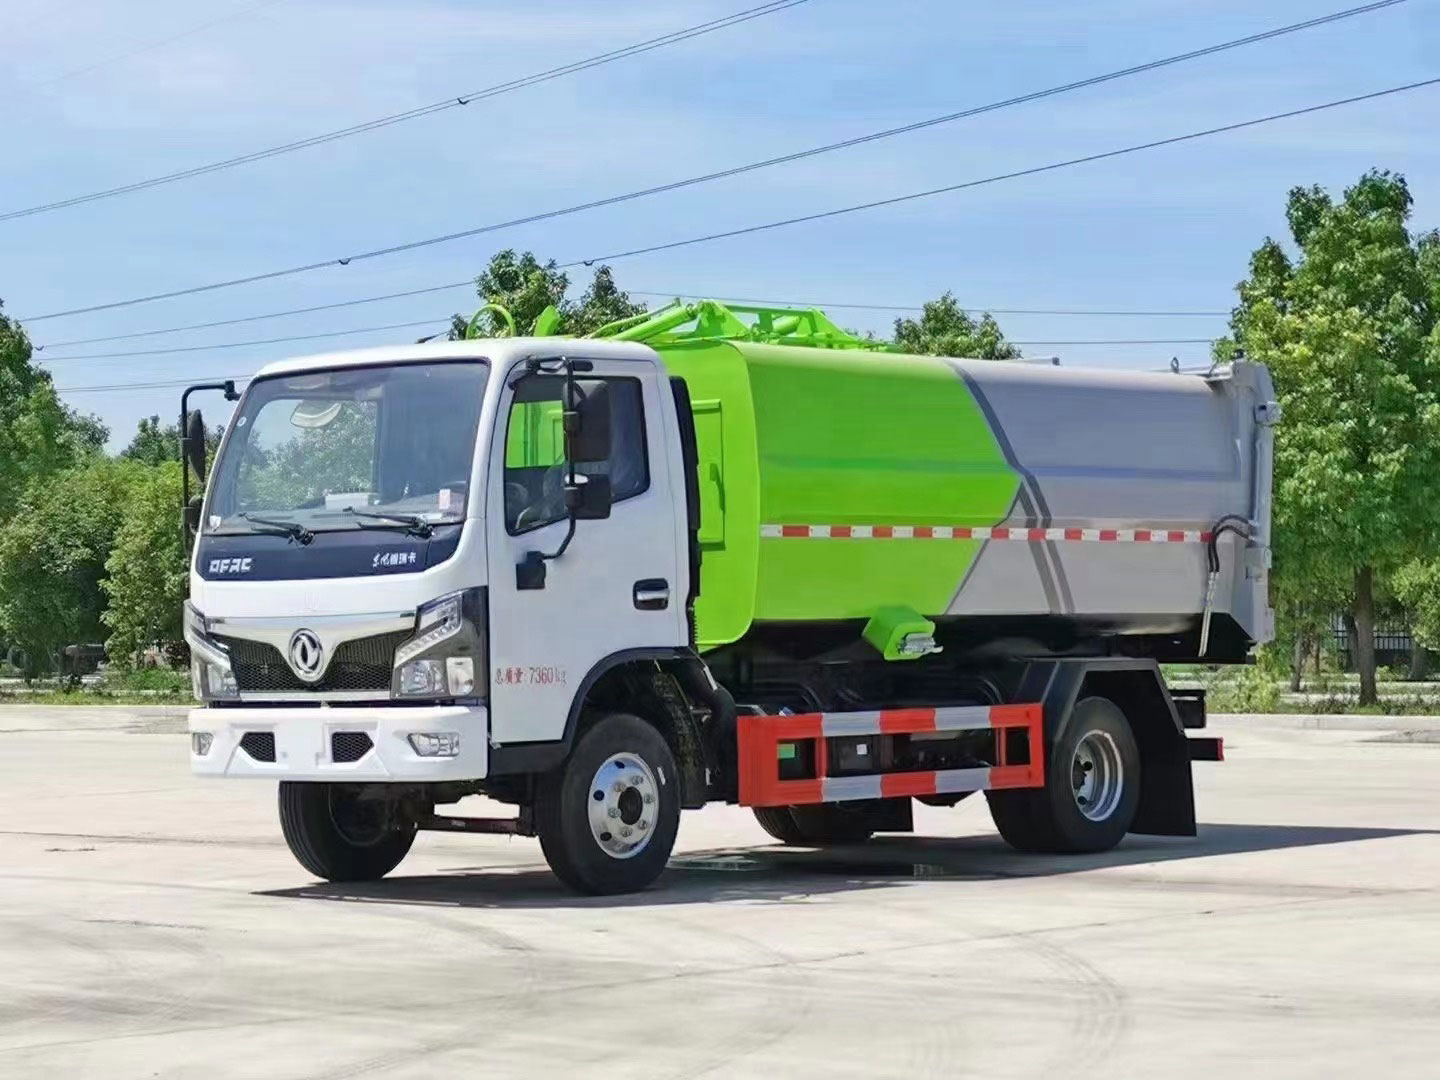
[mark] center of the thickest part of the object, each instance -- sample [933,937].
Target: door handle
[652,594]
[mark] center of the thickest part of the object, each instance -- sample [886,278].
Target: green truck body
[842,437]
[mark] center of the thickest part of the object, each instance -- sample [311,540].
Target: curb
[1329,722]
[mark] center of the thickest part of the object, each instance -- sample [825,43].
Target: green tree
[145,571]
[154,443]
[603,302]
[946,329]
[38,435]
[525,287]
[1348,329]
[53,552]
[1417,585]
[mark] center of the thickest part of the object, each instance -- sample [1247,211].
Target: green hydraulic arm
[709,320]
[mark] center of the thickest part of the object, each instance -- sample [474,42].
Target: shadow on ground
[777,874]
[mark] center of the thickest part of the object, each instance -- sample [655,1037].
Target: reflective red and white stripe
[990,532]
[762,737]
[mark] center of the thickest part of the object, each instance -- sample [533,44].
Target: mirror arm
[228,388]
[530,573]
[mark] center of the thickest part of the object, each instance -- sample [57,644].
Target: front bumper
[302,742]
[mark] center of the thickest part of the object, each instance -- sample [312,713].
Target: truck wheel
[607,819]
[779,823]
[338,836]
[1091,792]
[815,826]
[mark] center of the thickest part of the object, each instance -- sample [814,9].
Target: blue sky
[1166,229]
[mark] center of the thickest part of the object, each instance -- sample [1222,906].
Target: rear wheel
[1091,792]
[779,823]
[338,836]
[607,818]
[816,826]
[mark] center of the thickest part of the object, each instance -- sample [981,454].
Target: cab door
[621,583]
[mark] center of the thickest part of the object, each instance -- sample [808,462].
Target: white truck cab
[373,513]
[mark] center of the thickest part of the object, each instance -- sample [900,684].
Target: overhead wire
[454,101]
[149,46]
[681,294]
[1016,174]
[612,200]
[444,320]
[1239,125]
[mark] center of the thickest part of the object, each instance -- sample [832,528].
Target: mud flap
[1167,793]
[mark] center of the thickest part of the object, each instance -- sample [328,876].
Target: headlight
[440,660]
[211,676]
[439,621]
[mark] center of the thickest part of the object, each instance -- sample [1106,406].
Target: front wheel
[607,818]
[1091,792]
[338,836]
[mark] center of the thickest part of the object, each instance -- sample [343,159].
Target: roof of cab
[494,350]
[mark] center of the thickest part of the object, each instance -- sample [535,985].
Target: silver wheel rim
[624,805]
[1097,776]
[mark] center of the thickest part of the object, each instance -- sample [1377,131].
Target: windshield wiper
[293,529]
[415,525]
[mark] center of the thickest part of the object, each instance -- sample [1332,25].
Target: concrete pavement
[155,925]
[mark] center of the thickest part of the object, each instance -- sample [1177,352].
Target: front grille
[260,745]
[346,746]
[360,664]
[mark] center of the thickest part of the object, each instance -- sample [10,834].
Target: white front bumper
[302,742]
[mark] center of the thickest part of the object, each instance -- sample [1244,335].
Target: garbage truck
[717,554]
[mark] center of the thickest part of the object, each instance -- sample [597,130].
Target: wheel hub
[362,822]
[1097,775]
[624,806]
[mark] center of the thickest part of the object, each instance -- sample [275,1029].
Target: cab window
[535,465]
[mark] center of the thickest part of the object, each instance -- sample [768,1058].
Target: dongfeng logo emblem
[307,655]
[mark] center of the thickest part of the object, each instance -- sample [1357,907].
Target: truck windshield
[313,448]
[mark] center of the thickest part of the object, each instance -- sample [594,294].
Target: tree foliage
[946,329]
[1348,329]
[38,435]
[525,287]
[1417,586]
[53,552]
[144,585]
[337,457]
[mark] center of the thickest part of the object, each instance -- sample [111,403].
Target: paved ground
[153,925]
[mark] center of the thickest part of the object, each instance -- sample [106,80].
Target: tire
[815,826]
[779,823]
[1071,814]
[338,837]
[583,848]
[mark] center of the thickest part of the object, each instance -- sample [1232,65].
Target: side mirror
[191,514]
[587,422]
[195,444]
[589,498]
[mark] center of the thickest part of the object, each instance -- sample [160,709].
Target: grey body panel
[1124,450]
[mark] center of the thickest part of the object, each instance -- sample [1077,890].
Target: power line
[971,309]
[1016,174]
[708,177]
[431,322]
[116,387]
[467,283]
[453,102]
[445,319]
[441,320]
[150,46]
[691,182]
[1240,125]
[690,294]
